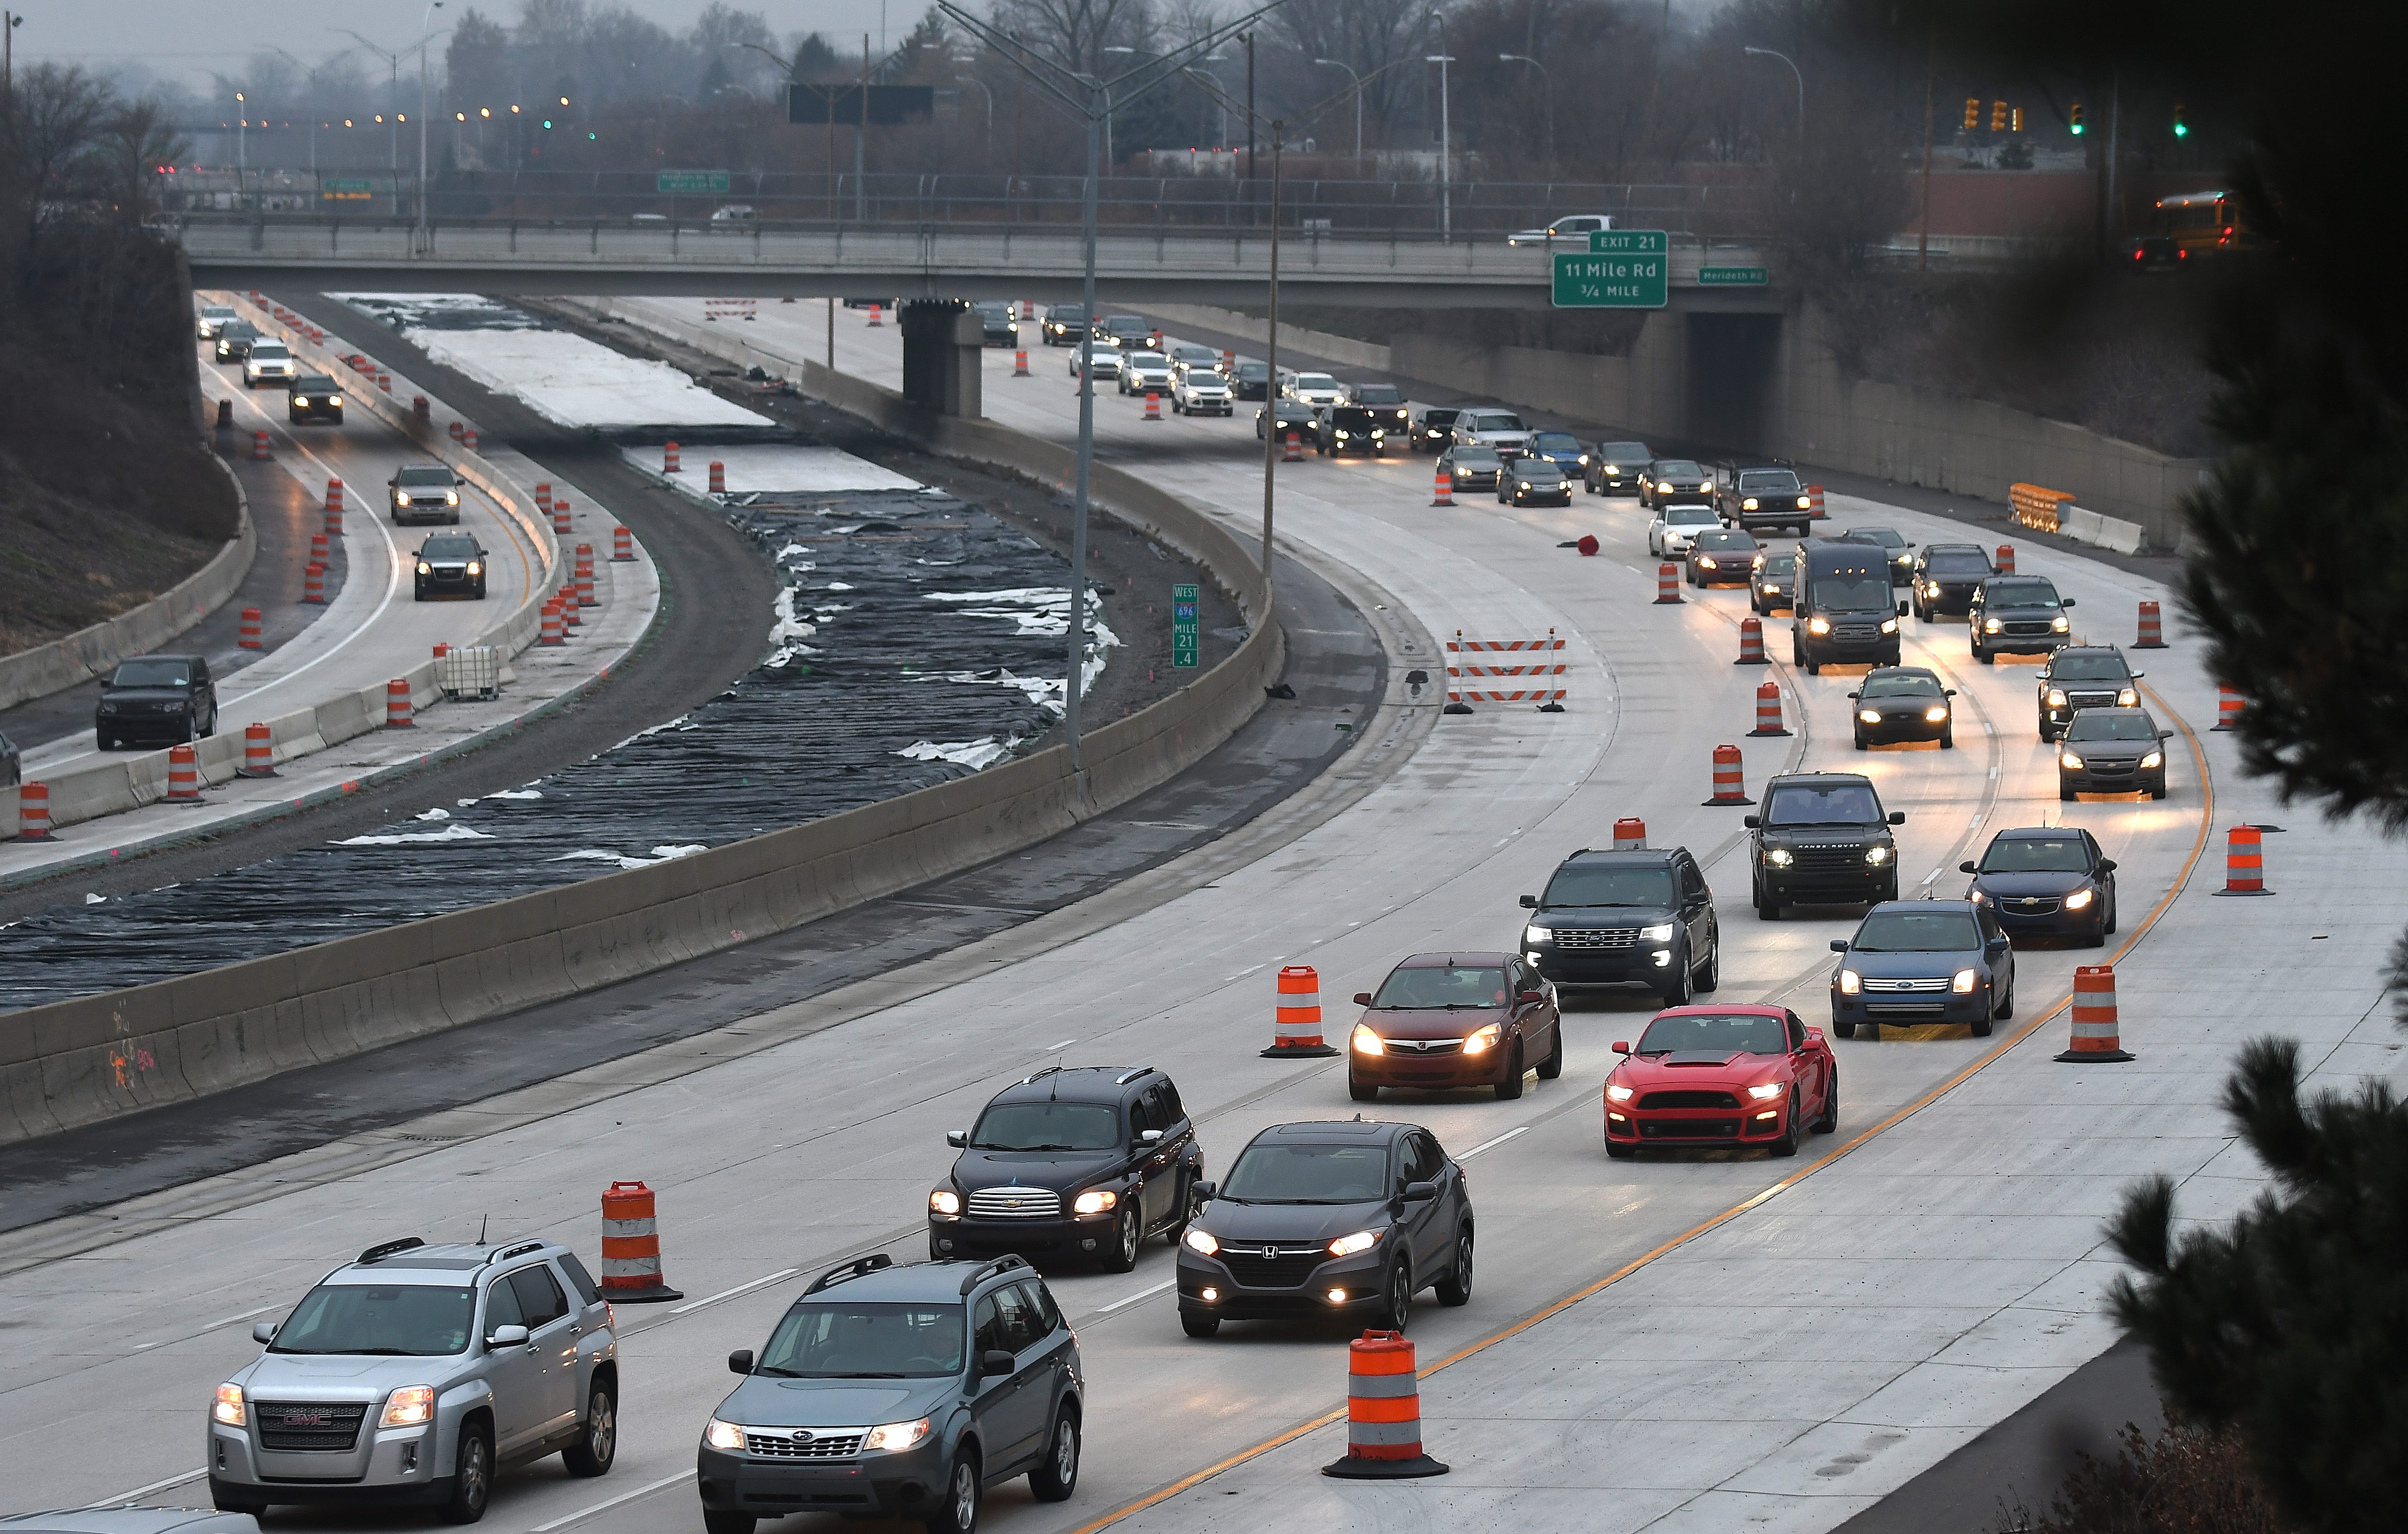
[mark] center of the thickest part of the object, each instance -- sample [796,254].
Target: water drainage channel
[917,640]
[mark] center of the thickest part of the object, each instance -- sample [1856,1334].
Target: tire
[1361,1091]
[1455,1288]
[2158,792]
[1397,1311]
[1981,1028]
[1830,1123]
[1860,740]
[714,1522]
[1553,1066]
[472,1478]
[1791,1132]
[1679,991]
[1057,1477]
[2064,794]
[1948,738]
[1710,977]
[1510,1087]
[2108,927]
[1620,1152]
[1198,1325]
[2046,739]
[935,1255]
[1767,910]
[1128,1234]
[2007,1006]
[597,1440]
[1846,1030]
[103,741]
[957,1510]
[1813,668]
[225,1503]
[1984,656]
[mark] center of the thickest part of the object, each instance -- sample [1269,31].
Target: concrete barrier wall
[77,1062]
[1342,349]
[62,663]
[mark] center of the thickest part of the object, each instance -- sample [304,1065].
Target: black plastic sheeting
[915,621]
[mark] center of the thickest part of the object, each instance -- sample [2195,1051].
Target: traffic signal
[2077,120]
[2182,129]
[2016,120]
[1998,116]
[1972,113]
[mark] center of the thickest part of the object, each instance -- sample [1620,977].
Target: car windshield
[269,351]
[1474,457]
[1907,685]
[826,1341]
[1377,393]
[1497,420]
[2036,854]
[1767,479]
[1254,372]
[1719,1033]
[1725,539]
[2098,725]
[1967,563]
[1541,468]
[1123,322]
[1047,1126]
[1692,516]
[1288,1173]
[1593,885]
[1440,418]
[1780,565]
[1882,535]
[1442,985]
[2027,592]
[1554,442]
[1195,353]
[1103,353]
[1852,593]
[313,383]
[1679,468]
[1622,453]
[151,674]
[2086,667]
[1148,362]
[1917,932]
[1833,803]
[401,1320]
[1063,312]
[1315,380]
[448,547]
[436,476]
[216,311]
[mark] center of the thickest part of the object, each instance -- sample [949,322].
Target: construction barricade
[258,752]
[1527,675]
[2245,862]
[1629,835]
[1768,711]
[1750,643]
[2153,635]
[2096,1037]
[1730,777]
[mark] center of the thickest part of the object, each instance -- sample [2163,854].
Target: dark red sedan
[1442,1022]
[1745,1075]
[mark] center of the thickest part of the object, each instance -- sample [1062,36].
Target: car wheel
[1127,1232]
[1813,668]
[1455,1288]
[1767,910]
[1055,1479]
[2045,737]
[472,1479]
[2158,792]
[1677,990]
[2064,792]
[1948,738]
[1984,656]
[597,1440]
[1361,1091]
[192,727]
[1397,1312]
[1553,1066]
[2108,927]
[957,1513]
[715,1522]
[1860,740]
[1510,1087]
[1198,1325]
[1791,1132]
[2007,1003]
[1981,1027]
[1846,1030]
[1830,1123]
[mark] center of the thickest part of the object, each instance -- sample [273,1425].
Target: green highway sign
[1627,242]
[1619,281]
[1730,277]
[1183,610]
[346,188]
[694,180]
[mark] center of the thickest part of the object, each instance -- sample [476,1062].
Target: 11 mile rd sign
[1624,268]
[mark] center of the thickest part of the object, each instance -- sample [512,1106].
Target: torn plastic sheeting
[399,839]
[973,754]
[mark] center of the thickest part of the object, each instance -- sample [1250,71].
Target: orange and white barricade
[1750,643]
[1445,496]
[1383,1413]
[622,545]
[631,1247]
[738,309]
[2245,862]
[2095,1028]
[1296,1025]
[2227,705]
[1768,711]
[2153,633]
[34,812]
[184,775]
[1730,777]
[1526,675]
[399,713]
[258,752]
[247,634]
[1667,584]
[1814,502]
[2006,560]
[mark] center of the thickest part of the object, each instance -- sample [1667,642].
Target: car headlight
[1877,855]
[1766,1091]
[2055,698]
[1850,983]
[2079,900]
[1616,1092]
[1976,897]
[1889,625]
[300,400]
[2062,624]
[1937,713]
[2128,698]
[1706,562]
[228,1408]
[1777,857]
[944,1201]
[1660,933]
[2154,759]
[1094,1201]
[1342,436]
[411,1406]
[724,1435]
[475,568]
[1610,468]
[1748,504]
[1199,1241]
[1368,1043]
[1989,625]
[1379,431]
[1818,625]
[1963,983]
[1523,484]
[1484,1039]
[896,1435]
[2069,759]
[1537,934]
[425,568]
[1362,1241]
[1931,588]
[1806,503]
[1871,716]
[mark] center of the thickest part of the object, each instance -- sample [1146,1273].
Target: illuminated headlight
[1379,431]
[2062,624]
[1094,1201]
[1977,896]
[1877,855]
[1583,460]
[1756,564]
[1818,625]
[475,568]
[1706,562]
[724,1435]
[1889,625]
[2079,900]
[1777,857]
[425,568]
[1765,1091]
[2069,759]
[1989,625]
[1537,934]
[944,1201]
[2055,698]
[2128,698]
[1661,933]
[1523,484]
[1806,503]
[1342,436]
[1368,1043]
[1935,714]
[1871,716]
[411,1406]
[451,497]
[1963,983]
[1616,1092]
[1199,1242]
[1850,983]
[300,400]
[1748,504]
[2154,759]
[1931,588]
[1610,468]
[896,1435]
[1362,1241]
[228,1408]
[1484,1039]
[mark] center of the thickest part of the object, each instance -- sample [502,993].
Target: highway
[773,1165]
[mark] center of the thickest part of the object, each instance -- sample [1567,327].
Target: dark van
[1845,614]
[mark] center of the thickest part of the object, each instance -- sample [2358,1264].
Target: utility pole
[1335,63]
[1445,142]
[860,141]
[2115,209]
[1271,377]
[1931,73]
[8,53]
[425,36]
[1249,37]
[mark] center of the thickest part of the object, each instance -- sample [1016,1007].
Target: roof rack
[1004,1264]
[1130,1076]
[519,1251]
[1035,1074]
[386,1249]
[852,1270]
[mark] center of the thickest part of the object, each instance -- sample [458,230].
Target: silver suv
[405,1378]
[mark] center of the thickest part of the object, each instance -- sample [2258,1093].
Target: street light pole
[1358,107]
[1768,53]
[1270,364]
[1445,145]
[425,36]
[1547,85]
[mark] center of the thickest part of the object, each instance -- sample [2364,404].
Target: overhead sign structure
[889,105]
[1731,276]
[694,180]
[1184,611]
[1624,268]
[345,189]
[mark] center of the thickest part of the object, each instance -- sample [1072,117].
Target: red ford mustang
[1717,1075]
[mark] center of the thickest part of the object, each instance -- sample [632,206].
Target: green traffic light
[2181,131]
[547,122]
[2077,129]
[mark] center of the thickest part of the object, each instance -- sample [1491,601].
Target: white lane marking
[1141,1294]
[1989,728]
[1490,1145]
[212,1326]
[1064,1044]
[730,1294]
[565,1520]
[140,1492]
[1932,875]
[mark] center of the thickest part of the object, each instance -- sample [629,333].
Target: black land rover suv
[1642,917]
[1822,840]
[1091,1160]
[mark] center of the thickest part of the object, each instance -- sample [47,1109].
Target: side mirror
[1149,1137]
[740,1361]
[1839,945]
[1622,1046]
[1998,944]
[1950,692]
[2106,865]
[2138,675]
[994,1361]
[1362,998]
[507,1336]
[2165,735]
[1418,1192]
[1855,695]
[1530,902]
[1528,997]
[2066,602]
[1901,609]
[1898,817]
[957,1138]
[1750,822]
[1967,867]
[263,1332]
[1203,1192]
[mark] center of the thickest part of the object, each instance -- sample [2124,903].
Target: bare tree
[129,153]
[52,120]
[1366,36]
[1075,31]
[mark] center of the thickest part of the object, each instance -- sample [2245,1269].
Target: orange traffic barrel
[1629,833]
[313,583]
[1383,1411]
[468,439]
[1815,503]
[1296,1029]
[622,545]
[631,1247]
[384,381]
[398,714]
[554,631]
[2095,1036]
[1667,584]
[1020,363]
[1445,487]
[1293,452]
[1768,709]
[333,508]
[184,775]
[1751,649]
[2227,705]
[247,633]
[318,554]
[258,750]
[455,431]
[2006,560]
[34,812]
[566,596]
[2245,862]
[1152,405]
[1731,781]
[2153,634]
[1587,545]
[669,458]
[259,446]
[560,516]
[874,317]
[419,408]
[543,496]
[718,478]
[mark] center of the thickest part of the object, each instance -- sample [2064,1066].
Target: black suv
[1090,1159]
[1433,428]
[902,1390]
[2020,614]
[1754,493]
[1822,840]
[1129,332]
[1065,325]
[235,338]
[1843,607]
[1642,917]
[2084,676]
[1612,468]
[998,321]
[313,397]
[449,565]
[1674,482]
[1355,428]
[156,697]
[1343,1220]
[1945,577]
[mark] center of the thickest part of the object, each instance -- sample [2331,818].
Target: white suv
[1145,372]
[1199,389]
[1503,430]
[268,361]
[1675,525]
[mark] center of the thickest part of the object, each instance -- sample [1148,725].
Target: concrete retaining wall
[1342,349]
[76,1061]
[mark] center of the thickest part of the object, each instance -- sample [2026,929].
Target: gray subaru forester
[405,1378]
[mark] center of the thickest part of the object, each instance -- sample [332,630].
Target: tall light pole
[393,98]
[1767,53]
[311,74]
[241,150]
[1358,107]
[425,36]
[10,23]
[1547,85]
[1445,146]
[973,80]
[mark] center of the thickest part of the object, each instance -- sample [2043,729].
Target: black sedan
[1433,428]
[2083,677]
[234,338]
[1535,482]
[2019,614]
[1923,961]
[2112,751]
[1945,578]
[2047,882]
[1668,481]
[1472,467]
[167,698]
[1772,585]
[1720,556]
[1904,703]
[314,396]
[1612,468]
[450,565]
[1293,417]
[1902,553]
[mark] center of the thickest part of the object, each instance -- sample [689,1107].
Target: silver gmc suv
[405,1378]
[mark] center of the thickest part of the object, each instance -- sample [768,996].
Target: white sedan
[1675,525]
[1107,359]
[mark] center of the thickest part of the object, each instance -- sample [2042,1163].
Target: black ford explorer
[1643,916]
[1822,840]
[1088,1159]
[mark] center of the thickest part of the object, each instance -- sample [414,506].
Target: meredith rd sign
[1624,268]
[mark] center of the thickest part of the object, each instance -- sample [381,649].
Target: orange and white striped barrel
[333,508]
[631,1247]
[1383,1411]
[669,458]
[1152,405]
[184,775]
[247,635]
[1228,361]
[718,478]
[585,560]
[1731,778]
[1629,835]
[259,447]
[2245,862]
[398,712]
[454,427]
[1028,308]
[34,812]
[2153,634]
[1768,711]
[384,381]
[317,549]
[584,584]
[1445,496]
[1815,503]
[566,596]
[2227,705]
[876,320]
[560,516]
[2095,1037]
[554,630]
[1668,584]
[2006,560]
[420,410]
[1296,1023]
[468,439]
[622,545]
[1293,452]
[1750,643]
[258,750]
[1020,363]
[313,583]
[543,496]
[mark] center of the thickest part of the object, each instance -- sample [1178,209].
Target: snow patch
[575,383]
[627,860]
[399,839]
[515,793]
